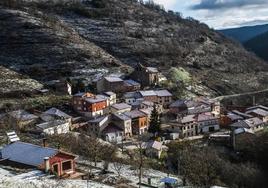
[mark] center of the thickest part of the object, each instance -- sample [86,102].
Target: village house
[89,104]
[25,155]
[153,149]
[54,114]
[207,122]
[78,100]
[149,95]
[255,124]
[21,119]
[131,85]
[164,97]
[188,107]
[147,76]
[230,118]
[139,121]
[112,97]
[260,113]
[188,126]
[132,97]
[110,83]
[120,108]
[113,134]
[95,126]
[54,127]
[123,122]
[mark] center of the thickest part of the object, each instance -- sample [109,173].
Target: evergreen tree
[155,124]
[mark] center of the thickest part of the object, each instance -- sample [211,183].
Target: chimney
[46,161]
[44,142]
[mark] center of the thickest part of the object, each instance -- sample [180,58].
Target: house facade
[139,122]
[207,123]
[188,126]
[147,76]
[54,127]
[123,122]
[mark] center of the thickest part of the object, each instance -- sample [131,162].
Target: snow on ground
[37,179]
[131,174]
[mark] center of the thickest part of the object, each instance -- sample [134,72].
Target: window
[66,165]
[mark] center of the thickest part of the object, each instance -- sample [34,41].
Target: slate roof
[50,124]
[113,79]
[248,123]
[163,93]
[93,100]
[234,117]
[98,119]
[132,82]
[58,113]
[258,111]
[147,93]
[22,115]
[187,119]
[111,129]
[205,117]
[258,106]
[109,93]
[121,106]
[135,114]
[122,117]
[131,95]
[27,154]
[242,114]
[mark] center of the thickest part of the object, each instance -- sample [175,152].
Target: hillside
[244,34]
[57,40]
[259,45]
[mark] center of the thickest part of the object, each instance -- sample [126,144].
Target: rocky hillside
[47,40]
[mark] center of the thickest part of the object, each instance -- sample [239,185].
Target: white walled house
[113,134]
[123,122]
[54,127]
[207,123]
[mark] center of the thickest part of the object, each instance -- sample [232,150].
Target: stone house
[112,97]
[188,126]
[164,97]
[147,76]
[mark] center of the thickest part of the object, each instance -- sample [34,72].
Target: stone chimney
[47,166]
[44,142]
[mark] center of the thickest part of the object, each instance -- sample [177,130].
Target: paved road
[240,94]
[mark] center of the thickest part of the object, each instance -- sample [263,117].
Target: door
[56,169]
